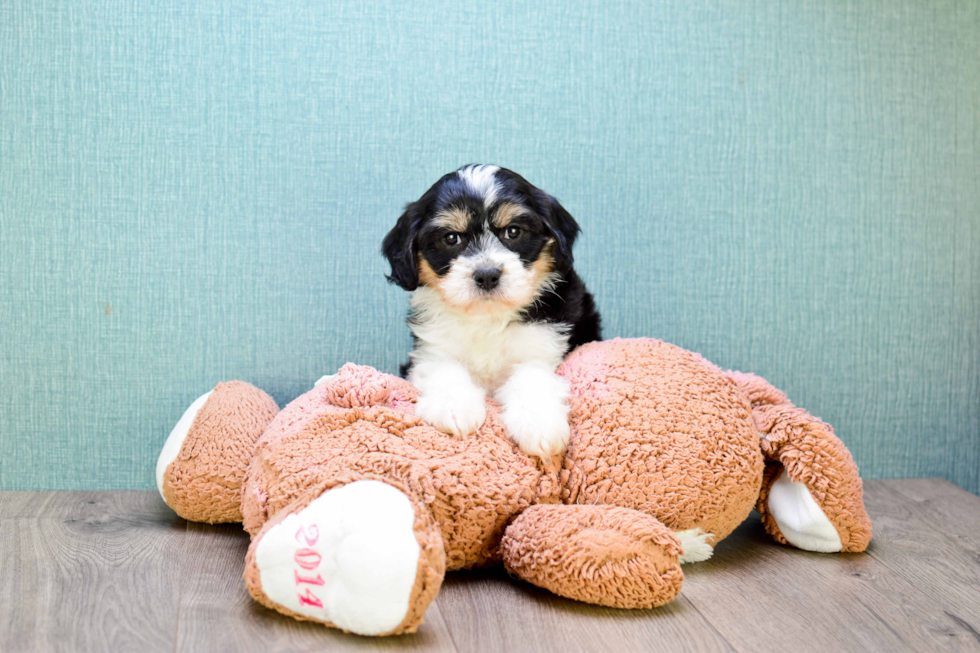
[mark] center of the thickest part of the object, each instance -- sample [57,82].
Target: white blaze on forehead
[481,180]
[489,247]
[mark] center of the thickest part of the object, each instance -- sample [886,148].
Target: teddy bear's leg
[201,466]
[811,493]
[364,557]
[599,554]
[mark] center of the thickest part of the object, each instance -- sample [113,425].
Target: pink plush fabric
[661,430]
[662,441]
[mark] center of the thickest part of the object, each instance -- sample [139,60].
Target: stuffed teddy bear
[356,508]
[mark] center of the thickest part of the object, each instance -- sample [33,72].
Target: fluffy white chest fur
[487,345]
[460,357]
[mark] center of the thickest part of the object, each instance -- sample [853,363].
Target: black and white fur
[495,303]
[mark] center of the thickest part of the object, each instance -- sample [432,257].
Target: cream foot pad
[800,519]
[350,558]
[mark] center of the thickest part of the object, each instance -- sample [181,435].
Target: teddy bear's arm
[202,465]
[811,493]
[599,554]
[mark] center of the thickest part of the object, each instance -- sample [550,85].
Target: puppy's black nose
[487,278]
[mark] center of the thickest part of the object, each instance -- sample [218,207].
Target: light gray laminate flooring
[118,571]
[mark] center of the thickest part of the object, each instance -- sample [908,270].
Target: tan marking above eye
[506,213]
[454,219]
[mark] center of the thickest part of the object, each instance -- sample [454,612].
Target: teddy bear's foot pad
[348,558]
[800,519]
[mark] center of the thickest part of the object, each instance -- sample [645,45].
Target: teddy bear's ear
[363,386]
[202,466]
[399,248]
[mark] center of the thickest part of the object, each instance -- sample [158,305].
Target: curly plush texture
[661,430]
[204,482]
[472,485]
[808,450]
[616,557]
[663,443]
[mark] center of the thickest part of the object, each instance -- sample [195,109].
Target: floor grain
[762,596]
[488,611]
[928,534]
[89,571]
[117,571]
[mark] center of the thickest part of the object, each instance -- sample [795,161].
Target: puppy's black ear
[563,229]
[399,248]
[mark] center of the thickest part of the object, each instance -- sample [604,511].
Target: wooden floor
[118,571]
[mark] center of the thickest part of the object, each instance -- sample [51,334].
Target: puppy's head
[484,239]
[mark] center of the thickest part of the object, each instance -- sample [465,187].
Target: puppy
[495,304]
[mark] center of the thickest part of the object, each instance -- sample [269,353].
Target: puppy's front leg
[449,400]
[535,401]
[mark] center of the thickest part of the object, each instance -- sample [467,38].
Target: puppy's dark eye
[512,232]
[452,239]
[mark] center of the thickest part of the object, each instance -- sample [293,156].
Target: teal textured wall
[196,191]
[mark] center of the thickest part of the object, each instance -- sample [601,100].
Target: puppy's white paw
[540,430]
[460,410]
[536,411]
[694,544]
